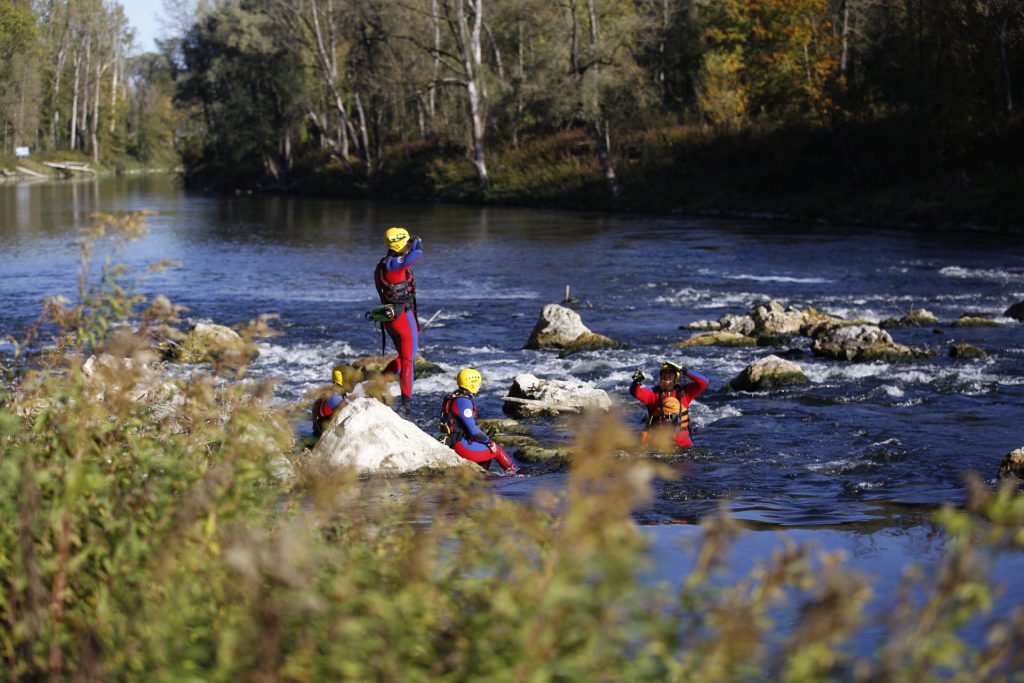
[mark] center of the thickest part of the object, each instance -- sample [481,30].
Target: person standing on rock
[668,403]
[325,406]
[396,287]
[459,430]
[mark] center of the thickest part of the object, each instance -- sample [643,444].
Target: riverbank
[881,174]
[66,165]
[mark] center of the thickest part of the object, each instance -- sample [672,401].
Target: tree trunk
[94,123]
[74,100]
[472,65]
[1004,39]
[844,53]
[599,127]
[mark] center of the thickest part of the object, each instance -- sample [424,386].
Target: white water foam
[962,273]
[780,278]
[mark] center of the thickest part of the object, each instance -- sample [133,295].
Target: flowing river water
[857,459]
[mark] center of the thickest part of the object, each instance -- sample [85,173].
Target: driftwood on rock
[370,437]
[530,396]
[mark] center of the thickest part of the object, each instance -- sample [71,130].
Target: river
[865,451]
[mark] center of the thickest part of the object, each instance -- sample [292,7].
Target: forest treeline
[799,105]
[71,85]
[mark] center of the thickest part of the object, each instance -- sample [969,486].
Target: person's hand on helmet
[639,376]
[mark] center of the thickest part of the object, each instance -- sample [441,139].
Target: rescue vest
[669,410]
[449,425]
[402,293]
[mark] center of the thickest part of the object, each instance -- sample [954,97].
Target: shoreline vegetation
[163,527]
[788,174]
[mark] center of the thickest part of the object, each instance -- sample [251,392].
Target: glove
[417,243]
[638,376]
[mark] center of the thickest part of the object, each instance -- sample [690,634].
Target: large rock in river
[766,373]
[369,436]
[216,344]
[863,343]
[1013,465]
[772,319]
[1016,311]
[530,395]
[562,328]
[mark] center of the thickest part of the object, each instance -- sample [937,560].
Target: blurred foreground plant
[171,535]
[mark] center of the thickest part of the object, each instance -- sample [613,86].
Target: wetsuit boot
[405,407]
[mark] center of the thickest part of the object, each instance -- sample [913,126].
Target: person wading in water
[668,402]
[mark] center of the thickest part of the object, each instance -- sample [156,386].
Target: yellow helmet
[338,375]
[469,379]
[672,367]
[396,239]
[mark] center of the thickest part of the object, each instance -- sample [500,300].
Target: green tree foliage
[245,80]
[19,80]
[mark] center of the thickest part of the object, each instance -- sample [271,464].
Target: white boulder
[372,438]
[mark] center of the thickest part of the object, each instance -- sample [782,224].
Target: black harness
[449,424]
[401,295]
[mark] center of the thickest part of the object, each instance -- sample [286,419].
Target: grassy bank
[881,173]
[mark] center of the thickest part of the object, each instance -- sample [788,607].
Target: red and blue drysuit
[397,286]
[323,409]
[458,423]
[685,394]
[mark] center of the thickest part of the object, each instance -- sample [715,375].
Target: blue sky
[142,15]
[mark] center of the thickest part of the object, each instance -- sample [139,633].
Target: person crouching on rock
[396,286]
[668,402]
[459,429]
[325,407]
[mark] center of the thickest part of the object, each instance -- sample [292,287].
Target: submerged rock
[562,328]
[969,320]
[770,372]
[368,436]
[589,342]
[1013,465]
[966,351]
[515,437]
[864,343]
[369,365]
[530,396]
[917,317]
[720,338]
